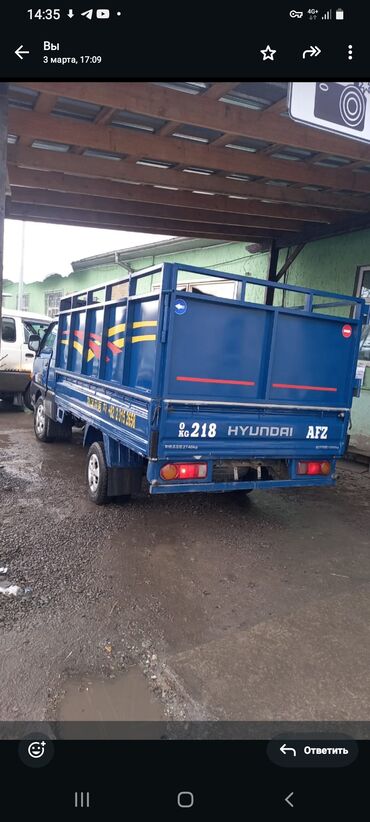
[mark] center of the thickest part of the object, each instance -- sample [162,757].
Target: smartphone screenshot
[185,411]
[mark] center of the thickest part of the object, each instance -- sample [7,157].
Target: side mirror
[34,342]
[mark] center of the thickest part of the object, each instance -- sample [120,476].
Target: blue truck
[202,390]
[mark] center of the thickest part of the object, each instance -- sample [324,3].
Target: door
[10,350]
[45,357]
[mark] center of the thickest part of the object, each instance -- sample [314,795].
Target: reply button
[308,753]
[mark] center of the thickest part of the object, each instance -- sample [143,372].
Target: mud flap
[124,481]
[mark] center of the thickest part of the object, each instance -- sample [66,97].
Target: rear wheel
[97,474]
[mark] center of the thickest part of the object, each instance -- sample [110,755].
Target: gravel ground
[186,590]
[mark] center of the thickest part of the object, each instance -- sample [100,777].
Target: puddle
[9,590]
[126,698]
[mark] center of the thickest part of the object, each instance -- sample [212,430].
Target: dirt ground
[201,607]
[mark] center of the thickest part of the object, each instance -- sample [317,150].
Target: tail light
[314,468]
[184,470]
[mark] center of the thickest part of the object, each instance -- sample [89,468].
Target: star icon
[268,53]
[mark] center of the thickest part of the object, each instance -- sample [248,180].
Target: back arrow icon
[20,53]
[284,749]
[288,798]
[313,51]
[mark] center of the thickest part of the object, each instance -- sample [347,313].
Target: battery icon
[339,14]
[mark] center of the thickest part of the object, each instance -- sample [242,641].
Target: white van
[16,360]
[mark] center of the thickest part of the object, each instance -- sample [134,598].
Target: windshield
[34,327]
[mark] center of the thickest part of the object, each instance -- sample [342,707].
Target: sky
[50,249]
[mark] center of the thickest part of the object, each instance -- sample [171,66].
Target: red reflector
[314,468]
[184,470]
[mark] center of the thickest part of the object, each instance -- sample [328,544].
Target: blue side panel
[93,350]
[217,350]
[119,416]
[311,360]
[143,344]
[115,343]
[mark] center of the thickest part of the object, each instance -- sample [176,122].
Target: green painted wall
[34,291]
[328,264]
[360,415]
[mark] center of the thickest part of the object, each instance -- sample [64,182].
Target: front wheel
[43,425]
[97,474]
[27,398]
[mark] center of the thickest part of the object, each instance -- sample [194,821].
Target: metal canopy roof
[220,161]
[139,252]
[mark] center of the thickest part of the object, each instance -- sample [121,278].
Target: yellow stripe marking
[90,355]
[78,345]
[115,329]
[144,323]
[143,337]
[120,342]
[64,342]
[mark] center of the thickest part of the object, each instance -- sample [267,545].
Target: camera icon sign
[341,104]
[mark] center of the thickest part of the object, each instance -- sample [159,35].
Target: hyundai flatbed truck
[197,391]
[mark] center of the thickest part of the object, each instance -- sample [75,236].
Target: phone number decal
[114,412]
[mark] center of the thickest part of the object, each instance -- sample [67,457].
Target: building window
[25,302]
[8,332]
[363,290]
[52,301]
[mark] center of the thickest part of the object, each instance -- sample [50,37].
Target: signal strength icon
[327,15]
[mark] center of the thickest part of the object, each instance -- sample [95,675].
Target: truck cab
[44,362]
[16,360]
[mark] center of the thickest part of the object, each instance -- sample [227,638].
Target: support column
[3,178]
[274,256]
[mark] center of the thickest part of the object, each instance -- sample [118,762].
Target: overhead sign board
[342,108]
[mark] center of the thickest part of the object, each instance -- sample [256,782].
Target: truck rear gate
[211,393]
